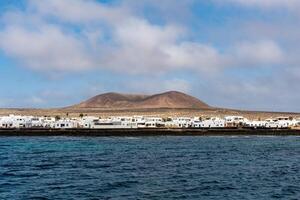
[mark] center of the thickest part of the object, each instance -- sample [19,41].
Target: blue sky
[229,53]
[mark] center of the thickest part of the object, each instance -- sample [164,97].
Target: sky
[241,54]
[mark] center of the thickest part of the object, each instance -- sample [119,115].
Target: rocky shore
[149,132]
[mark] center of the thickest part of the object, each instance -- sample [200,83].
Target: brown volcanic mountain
[170,99]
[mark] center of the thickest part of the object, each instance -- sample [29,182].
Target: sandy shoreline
[148,132]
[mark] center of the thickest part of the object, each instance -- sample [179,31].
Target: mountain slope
[172,99]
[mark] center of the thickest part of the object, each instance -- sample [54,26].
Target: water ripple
[150,168]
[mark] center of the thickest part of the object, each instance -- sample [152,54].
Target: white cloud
[272,92]
[144,47]
[166,9]
[177,85]
[260,52]
[27,102]
[47,48]
[157,85]
[135,45]
[78,11]
[267,3]
[74,35]
[36,101]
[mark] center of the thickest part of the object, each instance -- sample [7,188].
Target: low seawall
[147,132]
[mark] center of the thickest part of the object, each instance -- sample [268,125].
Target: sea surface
[150,168]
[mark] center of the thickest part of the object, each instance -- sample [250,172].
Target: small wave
[38,198]
[122,184]
[132,138]
[45,166]
[43,152]
[21,175]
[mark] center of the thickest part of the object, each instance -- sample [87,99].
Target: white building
[49,122]
[6,122]
[140,120]
[154,122]
[36,122]
[113,123]
[66,124]
[179,122]
[127,122]
[92,122]
[211,122]
[281,122]
[255,124]
[14,121]
[87,121]
[235,121]
[297,122]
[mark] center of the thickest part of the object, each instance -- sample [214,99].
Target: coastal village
[136,122]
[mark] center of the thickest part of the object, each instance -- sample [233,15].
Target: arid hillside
[170,99]
[168,104]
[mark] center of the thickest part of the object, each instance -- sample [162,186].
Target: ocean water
[150,168]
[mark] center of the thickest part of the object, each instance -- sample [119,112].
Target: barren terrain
[169,104]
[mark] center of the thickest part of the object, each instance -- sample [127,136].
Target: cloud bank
[79,35]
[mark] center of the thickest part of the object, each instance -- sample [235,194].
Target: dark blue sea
[150,168]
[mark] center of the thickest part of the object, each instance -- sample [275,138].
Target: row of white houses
[17,121]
